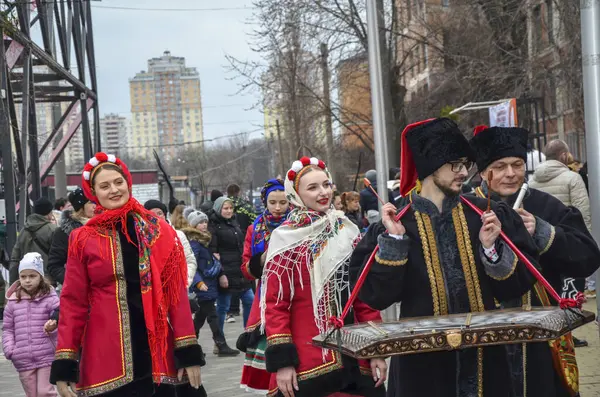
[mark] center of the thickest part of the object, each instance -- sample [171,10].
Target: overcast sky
[126,39]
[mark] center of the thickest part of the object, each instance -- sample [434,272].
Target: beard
[447,188]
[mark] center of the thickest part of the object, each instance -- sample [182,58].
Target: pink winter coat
[23,339]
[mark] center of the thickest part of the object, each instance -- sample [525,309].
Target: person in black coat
[227,244]
[83,210]
[368,200]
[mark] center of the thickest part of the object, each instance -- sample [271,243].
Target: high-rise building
[114,130]
[166,107]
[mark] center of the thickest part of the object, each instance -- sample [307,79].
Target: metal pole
[60,168]
[7,161]
[23,193]
[393,139]
[590,54]
[379,124]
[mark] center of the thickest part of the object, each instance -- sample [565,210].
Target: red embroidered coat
[94,324]
[290,327]
[252,270]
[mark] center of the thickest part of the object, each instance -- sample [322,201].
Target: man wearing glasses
[442,258]
[563,242]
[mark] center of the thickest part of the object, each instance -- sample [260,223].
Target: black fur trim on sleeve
[255,267]
[281,356]
[248,339]
[64,370]
[189,356]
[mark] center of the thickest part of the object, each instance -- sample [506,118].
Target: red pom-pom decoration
[88,167]
[321,164]
[291,175]
[102,157]
[305,161]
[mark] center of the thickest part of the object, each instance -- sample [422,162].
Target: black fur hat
[435,143]
[495,143]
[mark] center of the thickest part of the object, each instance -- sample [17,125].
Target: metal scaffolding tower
[32,73]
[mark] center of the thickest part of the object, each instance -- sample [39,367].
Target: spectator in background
[178,223]
[244,213]
[245,216]
[59,206]
[206,281]
[227,244]
[554,177]
[351,207]
[368,200]
[36,236]
[207,205]
[337,201]
[82,212]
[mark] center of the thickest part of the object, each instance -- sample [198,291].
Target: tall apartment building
[166,107]
[114,130]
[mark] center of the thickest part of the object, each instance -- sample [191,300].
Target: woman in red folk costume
[304,284]
[125,327]
[253,342]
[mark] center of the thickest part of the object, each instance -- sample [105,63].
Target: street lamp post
[590,55]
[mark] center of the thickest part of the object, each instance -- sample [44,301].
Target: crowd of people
[108,296]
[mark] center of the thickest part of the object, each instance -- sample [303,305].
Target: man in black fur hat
[563,242]
[443,258]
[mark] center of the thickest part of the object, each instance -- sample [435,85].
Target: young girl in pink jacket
[28,337]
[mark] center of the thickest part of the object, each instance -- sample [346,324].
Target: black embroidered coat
[566,249]
[441,271]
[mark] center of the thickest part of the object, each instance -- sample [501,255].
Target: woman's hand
[379,371]
[64,389]
[193,374]
[217,255]
[287,381]
[224,282]
[389,220]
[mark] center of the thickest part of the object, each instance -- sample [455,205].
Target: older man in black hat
[442,258]
[563,242]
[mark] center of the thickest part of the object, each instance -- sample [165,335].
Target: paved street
[221,375]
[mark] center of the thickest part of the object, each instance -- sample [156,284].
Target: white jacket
[190,258]
[555,178]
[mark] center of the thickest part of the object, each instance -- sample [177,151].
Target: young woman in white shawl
[305,282]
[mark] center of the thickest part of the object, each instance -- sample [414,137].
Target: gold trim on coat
[471,259]
[437,292]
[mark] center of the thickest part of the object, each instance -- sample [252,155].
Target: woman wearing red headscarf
[125,327]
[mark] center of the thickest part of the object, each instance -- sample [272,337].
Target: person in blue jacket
[206,282]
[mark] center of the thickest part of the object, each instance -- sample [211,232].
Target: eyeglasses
[457,166]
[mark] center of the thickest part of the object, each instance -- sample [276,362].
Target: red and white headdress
[299,166]
[94,164]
